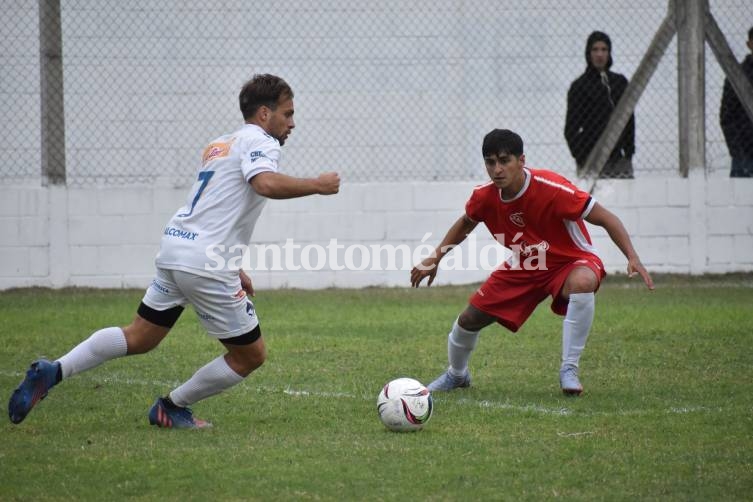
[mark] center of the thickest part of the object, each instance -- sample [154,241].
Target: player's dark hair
[501,141]
[750,33]
[263,90]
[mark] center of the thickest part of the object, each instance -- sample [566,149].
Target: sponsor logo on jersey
[517,219]
[215,151]
[528,249]
[256,155]
[159,287]
[203,315]
[183,234]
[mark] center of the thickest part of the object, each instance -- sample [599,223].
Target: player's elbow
[264,185]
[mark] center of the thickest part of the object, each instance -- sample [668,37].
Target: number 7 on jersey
[204,177]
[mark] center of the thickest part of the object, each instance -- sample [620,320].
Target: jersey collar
[522,190]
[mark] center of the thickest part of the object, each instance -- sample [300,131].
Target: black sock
[59,374]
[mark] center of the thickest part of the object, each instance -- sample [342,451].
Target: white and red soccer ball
[404,404]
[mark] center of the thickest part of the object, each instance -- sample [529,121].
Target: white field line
[574,434]
[496,405]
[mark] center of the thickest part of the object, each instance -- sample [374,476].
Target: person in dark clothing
[590,101]
[736,125]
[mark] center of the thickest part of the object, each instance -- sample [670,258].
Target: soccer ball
[404,405]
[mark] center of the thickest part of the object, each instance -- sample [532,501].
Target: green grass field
[667,413]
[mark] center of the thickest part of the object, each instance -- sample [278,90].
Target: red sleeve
[474,207]
[571,202]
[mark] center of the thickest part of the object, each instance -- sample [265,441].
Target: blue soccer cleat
[174,417]
[447,381]
[40,378]
[569,381]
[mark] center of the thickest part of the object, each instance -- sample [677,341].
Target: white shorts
[221,305]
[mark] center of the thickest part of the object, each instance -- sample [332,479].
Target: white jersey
[208,234]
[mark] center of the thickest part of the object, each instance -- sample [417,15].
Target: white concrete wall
[108,237]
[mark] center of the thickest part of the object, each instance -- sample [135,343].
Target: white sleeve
[259,156]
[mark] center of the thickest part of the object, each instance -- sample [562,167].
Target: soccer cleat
[175,417]
[569,381]
[40,378]
[448,381]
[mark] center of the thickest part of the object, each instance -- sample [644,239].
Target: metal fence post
[51,90]
[621,115]
[689,16]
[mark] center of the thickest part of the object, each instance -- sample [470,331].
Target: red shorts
[512,295]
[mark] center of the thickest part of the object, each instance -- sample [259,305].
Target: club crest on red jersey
[517,219]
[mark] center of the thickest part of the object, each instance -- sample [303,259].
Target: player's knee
[581,285]
[465,321]
[246,352]
[246,362]
[472,319]
[581,280]
[149,327]
[141,336]
[256,356]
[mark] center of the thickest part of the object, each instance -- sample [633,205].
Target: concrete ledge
[108,238]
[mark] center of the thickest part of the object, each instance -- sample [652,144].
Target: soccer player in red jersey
[538,215]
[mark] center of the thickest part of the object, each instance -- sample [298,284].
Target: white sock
[209,380]
[576,326]
[102,346]
[460,344]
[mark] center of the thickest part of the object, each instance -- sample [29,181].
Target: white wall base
[57,237]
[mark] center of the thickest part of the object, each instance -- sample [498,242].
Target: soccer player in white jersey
[238,173]
[540,216]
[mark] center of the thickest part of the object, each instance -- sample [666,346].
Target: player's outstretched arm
[429,265]
[602,217]
[282,186]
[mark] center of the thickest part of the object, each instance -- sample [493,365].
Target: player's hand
[427,268]
[246,284]
[329,183]
[636,267]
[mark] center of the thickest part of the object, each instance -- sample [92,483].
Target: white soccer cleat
[569,381]
[448,381]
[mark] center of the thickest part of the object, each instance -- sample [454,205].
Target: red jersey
[544,218]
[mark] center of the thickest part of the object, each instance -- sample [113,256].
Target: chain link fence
[20,153]
[385,90]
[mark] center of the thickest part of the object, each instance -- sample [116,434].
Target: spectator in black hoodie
[736,125]
[590,101]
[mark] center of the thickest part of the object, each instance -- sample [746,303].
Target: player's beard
[281,139]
